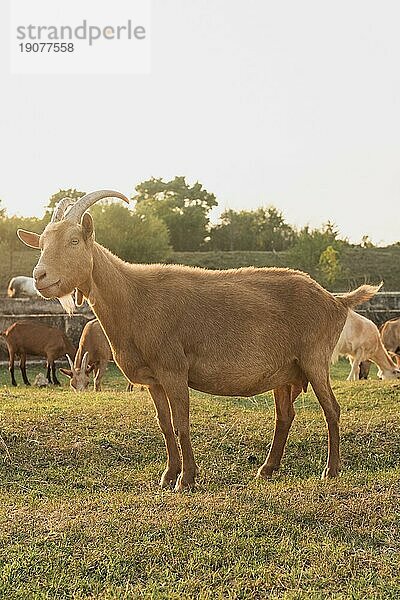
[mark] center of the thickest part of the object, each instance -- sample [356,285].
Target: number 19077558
[46,47]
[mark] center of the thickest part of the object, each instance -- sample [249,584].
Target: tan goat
[93,354]
[27,337]
[238,332]
[360,341]
[390,334]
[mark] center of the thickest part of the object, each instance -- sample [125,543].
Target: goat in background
[27,337]
[360,341]
[93,354]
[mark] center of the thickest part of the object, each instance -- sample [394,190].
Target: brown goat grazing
[238,332]
[94,347]
[390,334]
[28,337]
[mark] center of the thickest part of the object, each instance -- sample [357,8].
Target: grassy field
[81,515]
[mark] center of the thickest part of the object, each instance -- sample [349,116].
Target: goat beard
[68,304]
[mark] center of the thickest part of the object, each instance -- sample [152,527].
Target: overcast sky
[289,103]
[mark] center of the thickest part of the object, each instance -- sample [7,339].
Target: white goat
[22,286]
[360,341]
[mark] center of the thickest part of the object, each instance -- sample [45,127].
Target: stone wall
[383,306]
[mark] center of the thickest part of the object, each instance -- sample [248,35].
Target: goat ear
[66,372]
[30,239]
[78,297]
[87,226]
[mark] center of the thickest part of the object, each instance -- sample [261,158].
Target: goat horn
[84,361]
[71,364]
[75,213]
[60,208]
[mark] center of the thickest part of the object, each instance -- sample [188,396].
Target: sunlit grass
[81,514]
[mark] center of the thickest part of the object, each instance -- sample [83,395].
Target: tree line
[174,216]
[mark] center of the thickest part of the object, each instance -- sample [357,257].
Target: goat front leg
[11,368]
[173,468]
[99,375]
[284,415]
[178,395]
[355,367]
[22,366]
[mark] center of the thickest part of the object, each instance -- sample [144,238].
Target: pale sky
[290,103]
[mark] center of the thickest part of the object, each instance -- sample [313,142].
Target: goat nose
[39,273]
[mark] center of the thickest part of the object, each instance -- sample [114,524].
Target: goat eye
[75,241]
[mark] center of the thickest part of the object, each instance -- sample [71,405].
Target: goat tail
[360,295]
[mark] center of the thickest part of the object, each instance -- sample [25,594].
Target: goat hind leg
[331,409]
[48,377]
[284,415]
[173,468]
[53,372]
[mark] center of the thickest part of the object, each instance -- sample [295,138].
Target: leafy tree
[275,234]
[329,265]
[236,231]
[311,243]
[10,245]
[183,208]
[133,237]
[261,229]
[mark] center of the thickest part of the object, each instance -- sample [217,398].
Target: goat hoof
[183,485]
[329,473]
[168,479]
[266,472]
[14,383]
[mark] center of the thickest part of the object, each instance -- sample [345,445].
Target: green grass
[81,514]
